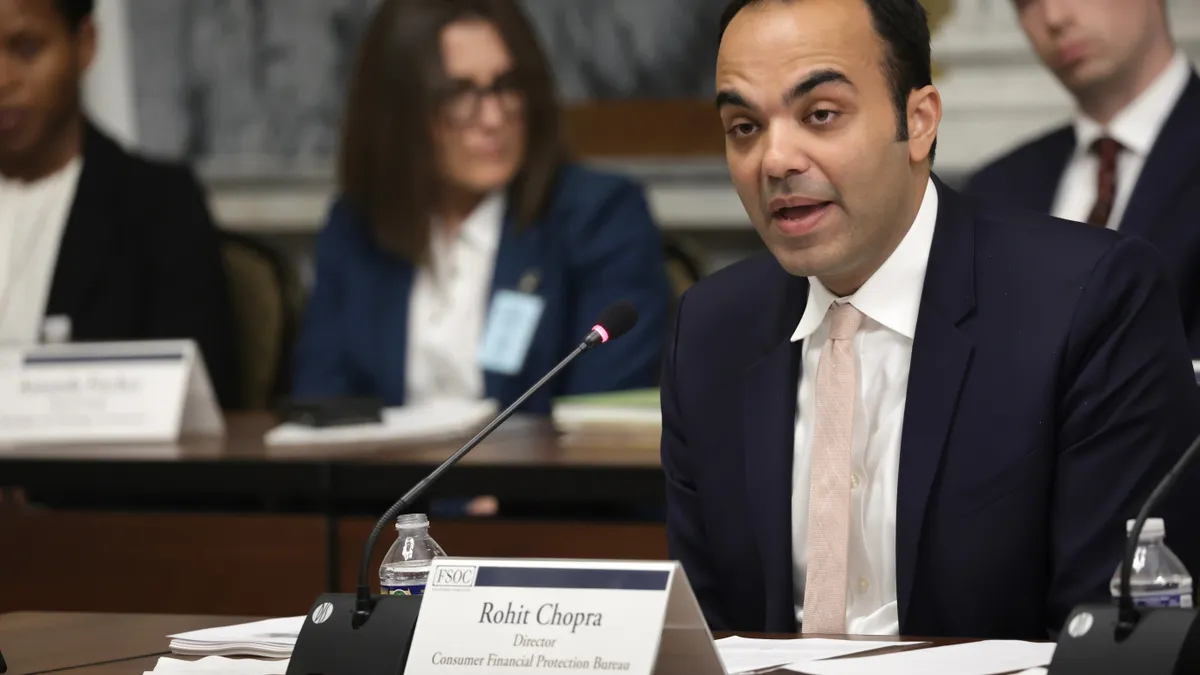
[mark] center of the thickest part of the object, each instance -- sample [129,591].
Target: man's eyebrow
[729,97]
[814,80]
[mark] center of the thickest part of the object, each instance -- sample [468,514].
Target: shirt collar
[1138,124]
[892,296]
[481,229]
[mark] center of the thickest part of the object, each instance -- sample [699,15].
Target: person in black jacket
[1129,159]
[95,243]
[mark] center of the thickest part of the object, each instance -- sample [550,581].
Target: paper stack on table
[746,655]
[219,665]
[421,423]
[990,657]
[272,638]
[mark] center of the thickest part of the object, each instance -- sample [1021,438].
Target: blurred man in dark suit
[95,243]
[1130,161]
[918,415]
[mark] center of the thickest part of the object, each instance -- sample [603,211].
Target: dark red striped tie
[1106,187]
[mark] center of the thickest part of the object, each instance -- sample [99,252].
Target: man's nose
[785,153]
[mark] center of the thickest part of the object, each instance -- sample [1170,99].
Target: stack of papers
[990,657]
[746,655]
[635,410]
[424,423]
[272,638]
[219,665]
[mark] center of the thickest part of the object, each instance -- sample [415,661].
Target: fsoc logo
[455,576]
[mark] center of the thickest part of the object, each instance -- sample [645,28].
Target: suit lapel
[940,358]
[87,232]
[769,402]
[518,260]
[394,310]
[1170,165]
[1039,180]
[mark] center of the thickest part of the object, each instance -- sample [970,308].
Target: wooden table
[232,526]
[37,642]
[130,644]
[525,458]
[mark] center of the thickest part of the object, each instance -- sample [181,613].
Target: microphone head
[616,320]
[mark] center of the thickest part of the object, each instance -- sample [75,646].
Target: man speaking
[915,416]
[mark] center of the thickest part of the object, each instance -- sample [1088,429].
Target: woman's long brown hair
[387,168]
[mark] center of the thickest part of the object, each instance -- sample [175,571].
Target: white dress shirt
[447,307]
[889,300]
[1136,128]
[32,219]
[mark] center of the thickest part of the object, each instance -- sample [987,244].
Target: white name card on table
[558,616]
[154,391]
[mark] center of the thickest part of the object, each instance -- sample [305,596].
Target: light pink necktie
[829,485]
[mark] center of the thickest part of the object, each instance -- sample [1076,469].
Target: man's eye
[741,130]
[823,116]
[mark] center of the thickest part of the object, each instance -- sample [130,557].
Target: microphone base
[1166,641]
[332,643]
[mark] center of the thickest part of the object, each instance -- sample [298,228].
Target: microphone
[616,320]
[1103,640]
[368,634]
[3,665]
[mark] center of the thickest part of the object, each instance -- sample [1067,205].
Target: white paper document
[272,638]
[423,423]
[219,665]
[745,655]
[990,657]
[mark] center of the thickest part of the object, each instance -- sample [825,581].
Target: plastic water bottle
[405,568]
[1158,578]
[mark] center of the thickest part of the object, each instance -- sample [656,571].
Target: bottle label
[403,589]
[1183,600]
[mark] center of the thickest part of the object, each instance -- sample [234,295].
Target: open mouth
[798,212]
[797,220]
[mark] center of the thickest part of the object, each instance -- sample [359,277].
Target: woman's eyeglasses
[465,99]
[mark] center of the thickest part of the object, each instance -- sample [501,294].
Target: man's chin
[805,256]
[1084,77]
[799,263]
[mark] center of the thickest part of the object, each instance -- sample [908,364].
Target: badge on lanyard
[511,324]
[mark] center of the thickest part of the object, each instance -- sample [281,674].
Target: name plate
[105,392]
[565,617]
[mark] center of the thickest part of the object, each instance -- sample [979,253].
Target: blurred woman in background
[459,217]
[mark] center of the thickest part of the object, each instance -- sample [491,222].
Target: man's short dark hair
[75,11]
[904,29]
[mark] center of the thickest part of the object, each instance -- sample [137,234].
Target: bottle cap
[1153,528]
[56,329]
[412,520]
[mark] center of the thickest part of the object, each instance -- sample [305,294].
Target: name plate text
[483,616]
[104,392]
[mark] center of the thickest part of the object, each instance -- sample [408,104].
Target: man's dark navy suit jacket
[1164,207]
[1050,389]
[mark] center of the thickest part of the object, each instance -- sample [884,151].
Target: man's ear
[85,44]
[924,116]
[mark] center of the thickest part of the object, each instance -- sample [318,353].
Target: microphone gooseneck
[1128,615]
[616,320]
